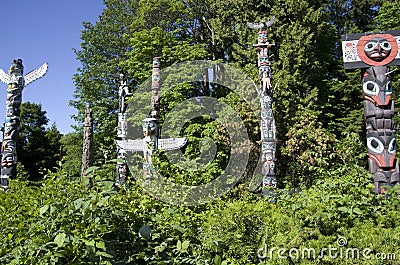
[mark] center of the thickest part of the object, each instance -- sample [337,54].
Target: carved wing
[36,74]
[5,78]
[270,21]
[171,143]
[132,145]
[255,26]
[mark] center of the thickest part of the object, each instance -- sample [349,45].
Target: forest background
[50,216]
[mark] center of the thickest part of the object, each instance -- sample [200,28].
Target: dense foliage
[38,147]
[61,222]
[324,199]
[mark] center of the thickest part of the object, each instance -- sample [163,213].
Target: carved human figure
[377,49]
[123,92]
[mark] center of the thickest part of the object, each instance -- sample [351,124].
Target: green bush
[60,221]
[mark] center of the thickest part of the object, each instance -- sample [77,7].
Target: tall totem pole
[121,168]
[374,53]
[87,154]
[16,82]
[151,130]
[268,130]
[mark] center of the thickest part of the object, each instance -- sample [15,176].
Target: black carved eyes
[371,88]
[376,146]
[386,45]
[371,45]
[388,87]
[392,146]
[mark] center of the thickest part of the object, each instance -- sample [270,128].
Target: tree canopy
[311,85]
[39,147]
[325,196]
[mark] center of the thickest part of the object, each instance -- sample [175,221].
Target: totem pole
[374,53]
[121,167]
[268,130]
[150,126]
[87,154]
[16,82]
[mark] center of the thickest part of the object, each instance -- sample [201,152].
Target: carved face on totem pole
[377,48]
[262,37]
[150,127]
[270,181]
[382,149]
[264,61]
[362,50]
[376,91]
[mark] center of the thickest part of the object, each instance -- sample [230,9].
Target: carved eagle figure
[28,78]
[261,25]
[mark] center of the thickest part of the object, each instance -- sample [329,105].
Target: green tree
[39,148]
[387,16]
[103,47]
[307,68]
[71,144]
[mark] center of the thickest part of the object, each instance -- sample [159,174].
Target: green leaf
[357,210]
[185,245]
[344,209]
[91,169]
[43,209]
[217,260]
[59,239]
[91,243]
[178,227]
[101,245]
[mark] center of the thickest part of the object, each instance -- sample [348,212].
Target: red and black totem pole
[268,130]
[374,53]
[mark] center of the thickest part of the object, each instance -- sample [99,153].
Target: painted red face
[377,49]
[262,36]
[379,93]
[382,149]
[263,61]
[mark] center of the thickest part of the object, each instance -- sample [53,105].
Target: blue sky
[39,31]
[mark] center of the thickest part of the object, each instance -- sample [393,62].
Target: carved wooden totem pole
[87,154]
[151,130]
[268,130]
[374,53]
[16,82]
[121,167]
